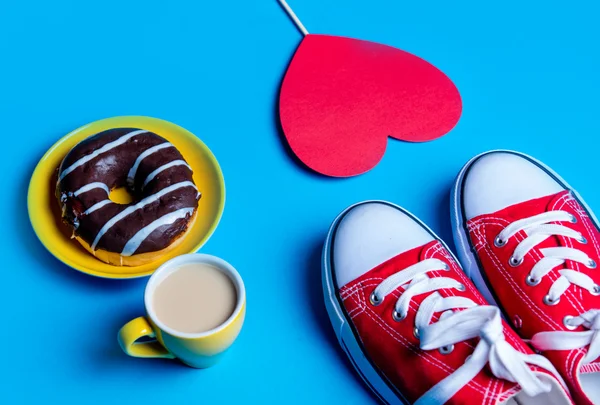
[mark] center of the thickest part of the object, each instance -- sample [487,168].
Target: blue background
[528,75]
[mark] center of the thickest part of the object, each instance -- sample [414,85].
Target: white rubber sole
[463,247]
[340,321]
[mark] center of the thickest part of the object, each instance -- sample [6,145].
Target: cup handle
[136,329]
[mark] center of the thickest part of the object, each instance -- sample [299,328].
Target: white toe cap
[497,180]
[370,234]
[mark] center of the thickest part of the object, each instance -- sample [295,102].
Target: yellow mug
[198,350]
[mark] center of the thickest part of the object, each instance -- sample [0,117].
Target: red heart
[342,97]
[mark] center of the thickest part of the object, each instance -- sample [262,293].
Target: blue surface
[528,75]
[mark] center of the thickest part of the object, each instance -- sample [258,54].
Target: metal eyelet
[446,267]
[591,264]
[514,262]
[416,333]
[447,349]
[375,300]
[461,287]
[595,290]
[549,301]
[530,281]
[573,219]
[582,240]
[498,242]
[398,317]
[566,321]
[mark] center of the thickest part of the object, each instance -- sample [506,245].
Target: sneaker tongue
[533,207]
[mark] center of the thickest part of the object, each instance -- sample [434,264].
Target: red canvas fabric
[393,347]
[523,304]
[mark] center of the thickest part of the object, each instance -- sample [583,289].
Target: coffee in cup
[195,308]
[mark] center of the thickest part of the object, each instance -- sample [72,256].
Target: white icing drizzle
[98,152]
[134,243]
[142,156]
[92,186]
[148,200]
[96,206]
[166,166]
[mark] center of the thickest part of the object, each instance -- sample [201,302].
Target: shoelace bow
[454,327]
[539,228]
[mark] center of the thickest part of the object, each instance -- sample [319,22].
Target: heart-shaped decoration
[341,99]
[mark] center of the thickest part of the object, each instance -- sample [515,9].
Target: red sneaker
[414,326]
[531,246]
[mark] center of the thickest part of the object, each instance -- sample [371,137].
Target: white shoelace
[454,327]
[539,228]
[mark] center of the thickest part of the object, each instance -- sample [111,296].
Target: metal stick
[294,17]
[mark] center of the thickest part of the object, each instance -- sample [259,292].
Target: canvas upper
[399,302]
[533,245]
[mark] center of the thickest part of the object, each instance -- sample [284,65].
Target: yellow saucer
[44,211]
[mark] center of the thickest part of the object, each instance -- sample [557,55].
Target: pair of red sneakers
[419,328]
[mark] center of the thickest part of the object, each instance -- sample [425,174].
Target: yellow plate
[44,211]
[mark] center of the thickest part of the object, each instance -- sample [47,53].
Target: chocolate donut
[155,174]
